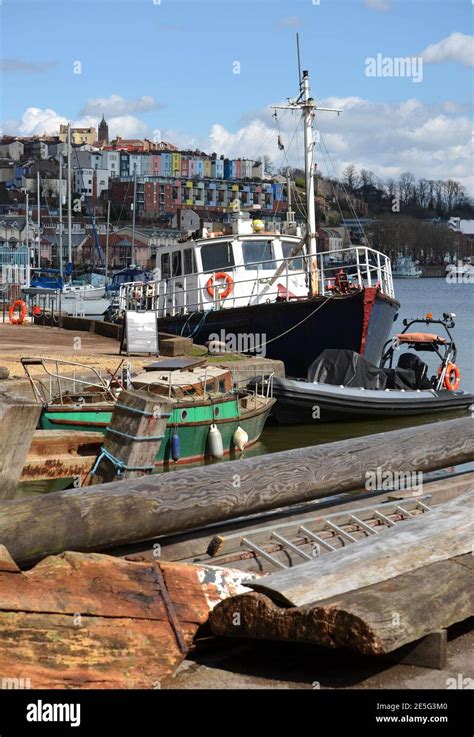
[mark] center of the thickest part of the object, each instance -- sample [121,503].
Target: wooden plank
[133,436]
[92,621]
[374,620]
[114,514]
[58,467]
[443,533]
[18,420]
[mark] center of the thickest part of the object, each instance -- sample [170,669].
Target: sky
[204,73]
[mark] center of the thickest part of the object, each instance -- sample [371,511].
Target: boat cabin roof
[194,381]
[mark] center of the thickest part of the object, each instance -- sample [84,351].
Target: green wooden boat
[191,420]
[204,396]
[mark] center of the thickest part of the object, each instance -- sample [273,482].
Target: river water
[417,297]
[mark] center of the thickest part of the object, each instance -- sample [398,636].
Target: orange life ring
[452,377]
[23,312]
[229,285]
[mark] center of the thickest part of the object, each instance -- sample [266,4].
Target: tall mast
[308,107]
[107,240]
[61,214]
[27,238]
[69,198]
[308,114]
[133,215]
[38,216]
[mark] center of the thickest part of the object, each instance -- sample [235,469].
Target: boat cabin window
[257,251]
[189,261]
[296,263]
[165,266]
[176,263]
[217,256]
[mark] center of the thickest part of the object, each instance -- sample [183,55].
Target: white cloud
[291,21]
[432,141]
[36,121]
[117,105]
[457,47]
[378,4]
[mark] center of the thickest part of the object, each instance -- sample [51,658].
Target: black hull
[297,331]
[304,403]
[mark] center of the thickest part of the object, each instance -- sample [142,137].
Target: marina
[236,367]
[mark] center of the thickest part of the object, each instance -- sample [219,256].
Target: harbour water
[417,297]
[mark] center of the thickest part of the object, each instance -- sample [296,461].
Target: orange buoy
[23,307]
[228,288]
[452,377]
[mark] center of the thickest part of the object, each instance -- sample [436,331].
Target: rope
[138,438]
[120,466]
[157,416]
[293,327]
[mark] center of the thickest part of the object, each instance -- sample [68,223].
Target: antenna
[298,54]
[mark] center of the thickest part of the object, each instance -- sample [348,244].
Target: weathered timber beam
[445,532]
[374,620]
[18,420]
[128,511]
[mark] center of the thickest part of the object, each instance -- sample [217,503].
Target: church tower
[103,132]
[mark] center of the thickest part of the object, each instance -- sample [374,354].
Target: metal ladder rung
[386,520]
[290,545]
[401,509]
[345,535]
[363,525]
[316,538]
[263,553]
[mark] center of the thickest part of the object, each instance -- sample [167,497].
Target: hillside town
[177,192]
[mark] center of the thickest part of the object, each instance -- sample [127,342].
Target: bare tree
[422,193]
[406,185]
[366,179]
[350,176]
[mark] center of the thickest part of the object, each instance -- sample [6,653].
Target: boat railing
[260,385]
[56,380]
[355,267]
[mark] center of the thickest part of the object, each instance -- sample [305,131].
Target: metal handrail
[369,267]
[35,383]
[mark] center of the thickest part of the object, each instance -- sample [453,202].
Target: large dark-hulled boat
[273,293]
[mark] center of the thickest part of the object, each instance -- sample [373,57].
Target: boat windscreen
[296,263]
[217,256]
[256,252]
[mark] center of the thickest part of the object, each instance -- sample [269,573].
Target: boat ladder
[305,539]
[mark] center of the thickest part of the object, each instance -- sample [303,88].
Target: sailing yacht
[272,291]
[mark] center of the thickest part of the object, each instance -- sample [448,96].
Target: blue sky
[173,65]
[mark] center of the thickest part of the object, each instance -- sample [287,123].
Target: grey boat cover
[348,368]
